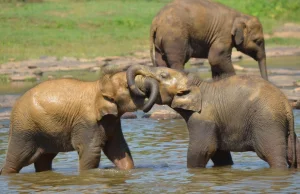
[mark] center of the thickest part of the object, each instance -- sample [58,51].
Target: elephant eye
[109,99]
[258,42]
[164,75]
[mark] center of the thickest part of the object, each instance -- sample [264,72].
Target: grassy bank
[86,29]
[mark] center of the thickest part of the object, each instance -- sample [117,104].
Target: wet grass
[87,28]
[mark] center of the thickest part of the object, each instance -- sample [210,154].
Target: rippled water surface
[159,149]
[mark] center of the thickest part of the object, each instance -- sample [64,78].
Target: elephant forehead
[174,84]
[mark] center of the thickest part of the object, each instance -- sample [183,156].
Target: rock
[238,67]
[107,59]
[162,115]
[295,104]
[129,115]
[296,90]
[31,66]
[38,73]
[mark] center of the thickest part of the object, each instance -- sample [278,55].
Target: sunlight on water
[159,150]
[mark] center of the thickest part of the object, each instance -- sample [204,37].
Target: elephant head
[115,98]
[248,37]
[173,86]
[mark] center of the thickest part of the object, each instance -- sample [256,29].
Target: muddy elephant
[237,113]
[205,29]
[66,114]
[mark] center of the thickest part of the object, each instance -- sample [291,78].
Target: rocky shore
[285,79]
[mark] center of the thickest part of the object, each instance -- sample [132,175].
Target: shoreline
[286,79]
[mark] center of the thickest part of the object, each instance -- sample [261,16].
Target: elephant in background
[205,29]
[66,114]
[236,113]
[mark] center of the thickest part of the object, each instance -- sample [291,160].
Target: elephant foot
[7,170]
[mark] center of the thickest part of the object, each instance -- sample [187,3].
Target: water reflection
[159,150]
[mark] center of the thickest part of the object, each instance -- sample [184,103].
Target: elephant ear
[237,31]
[107,107]
[106,104]
[190,101]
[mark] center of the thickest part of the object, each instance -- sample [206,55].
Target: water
[159,149]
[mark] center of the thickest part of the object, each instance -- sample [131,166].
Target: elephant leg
[273,149]
[177,52]
[117,150]
[290,153]
[44,162]
[89,157]
[222,158]
[219,58]
[21,152]
[202,143]
[159,59]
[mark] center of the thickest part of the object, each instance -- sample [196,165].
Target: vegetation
[90,28]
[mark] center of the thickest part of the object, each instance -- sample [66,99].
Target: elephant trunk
[263,67]
[134,71]
[152,89]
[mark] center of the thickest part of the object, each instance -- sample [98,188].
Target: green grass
[271,13]
[82,29]
[87,28]
[283,41]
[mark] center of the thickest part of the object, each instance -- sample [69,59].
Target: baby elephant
[65,115]
[238,113]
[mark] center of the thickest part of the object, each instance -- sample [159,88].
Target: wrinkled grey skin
[205,29]
[70,115]
[237,113]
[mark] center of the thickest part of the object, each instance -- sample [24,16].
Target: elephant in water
[205,29]
[236,113]
[66,114]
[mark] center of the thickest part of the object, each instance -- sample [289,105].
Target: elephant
[67,114]
[205,29]
[232,114]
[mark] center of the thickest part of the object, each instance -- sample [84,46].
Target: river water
[159,149]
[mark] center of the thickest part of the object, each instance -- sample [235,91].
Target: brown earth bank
[285,79]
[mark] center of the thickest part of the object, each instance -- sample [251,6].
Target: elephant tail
[152,38]
[293,141]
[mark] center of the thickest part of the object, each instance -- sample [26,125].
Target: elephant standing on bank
[205,29]
[237,113]
[66,114]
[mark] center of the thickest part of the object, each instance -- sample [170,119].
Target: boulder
[129,115]
[162,115]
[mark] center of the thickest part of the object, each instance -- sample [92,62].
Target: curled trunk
[134,71]
[152,90]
